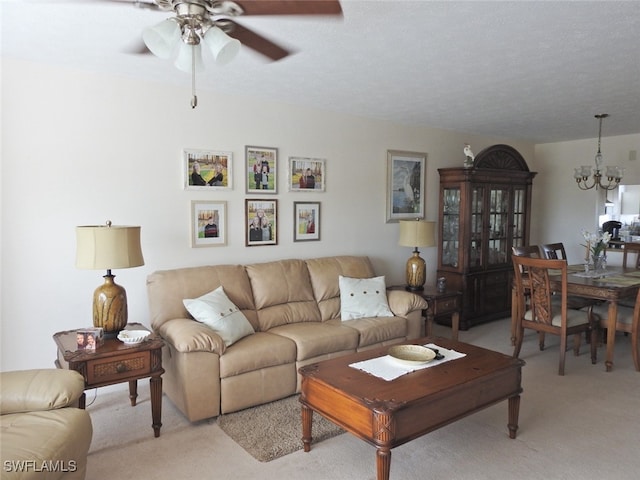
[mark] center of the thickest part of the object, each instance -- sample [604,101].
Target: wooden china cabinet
[484,211]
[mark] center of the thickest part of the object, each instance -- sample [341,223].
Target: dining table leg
[611,333]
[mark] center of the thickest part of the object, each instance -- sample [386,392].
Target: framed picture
[406,180]
[261,169]
[306,221]
[261,221]
[306,174]
[207,169]
[208,223]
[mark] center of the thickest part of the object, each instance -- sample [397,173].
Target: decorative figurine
[469,156]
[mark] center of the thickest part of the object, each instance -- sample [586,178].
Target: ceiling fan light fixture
[162,38]
[222,46]
[185,58]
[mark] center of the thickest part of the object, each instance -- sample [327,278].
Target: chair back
[538,287]
[526,251]
[554,251]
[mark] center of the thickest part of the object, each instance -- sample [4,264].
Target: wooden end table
[114,362]
[441,305]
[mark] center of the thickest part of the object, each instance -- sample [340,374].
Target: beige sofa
[294,308]
[44,435]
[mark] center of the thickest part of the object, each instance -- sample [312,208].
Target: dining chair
[527,251]
[553,250]
[556,251]
[627,321]
[544,314]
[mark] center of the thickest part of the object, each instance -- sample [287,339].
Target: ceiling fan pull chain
[194,98]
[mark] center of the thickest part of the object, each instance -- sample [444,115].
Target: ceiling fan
[212,23]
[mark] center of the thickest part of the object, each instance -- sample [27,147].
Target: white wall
[79,149]
[560,209]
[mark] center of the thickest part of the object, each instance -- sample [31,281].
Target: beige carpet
[583,426]
[270,431]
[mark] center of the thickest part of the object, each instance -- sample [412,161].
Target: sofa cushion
[363,297]
[282,293]
[324,273]
[215,310]
[256,352]
[318,338]
[167,288]
[378,330]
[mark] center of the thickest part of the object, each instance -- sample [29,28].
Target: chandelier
[613,174]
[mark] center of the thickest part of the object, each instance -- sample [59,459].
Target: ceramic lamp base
[416,272]
[110,307]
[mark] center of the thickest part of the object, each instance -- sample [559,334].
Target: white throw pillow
[215,310]
[363,297]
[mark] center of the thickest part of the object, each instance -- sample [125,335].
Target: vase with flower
[596,250]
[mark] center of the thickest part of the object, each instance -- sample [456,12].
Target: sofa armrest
[187,335]
[37,390]
[402,302]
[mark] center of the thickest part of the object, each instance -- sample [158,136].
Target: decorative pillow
[363,297]
[215,310]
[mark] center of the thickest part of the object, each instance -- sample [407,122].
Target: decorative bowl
[411,354]
[132,337]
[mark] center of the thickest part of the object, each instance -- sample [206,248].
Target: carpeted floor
[583,426]
[270,431]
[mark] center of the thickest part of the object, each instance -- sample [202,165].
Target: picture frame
[261,222]
[306,174]
[406,181]
[306,221]
[208,223]
[207,169]
[257,160]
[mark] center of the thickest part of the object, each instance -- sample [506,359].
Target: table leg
[428,322]
[611,333]
[455,325]
[155,384]
[514,411]
[82,401]
[307,417]
[383,463]
[133,392]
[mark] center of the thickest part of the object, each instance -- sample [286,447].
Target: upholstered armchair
[43,433]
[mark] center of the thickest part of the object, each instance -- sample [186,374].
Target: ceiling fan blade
[257,42]
[290,7]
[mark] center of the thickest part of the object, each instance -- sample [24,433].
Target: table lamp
[416,233]
[103,247]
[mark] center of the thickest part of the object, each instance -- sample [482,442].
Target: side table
[114,362]
[441,304]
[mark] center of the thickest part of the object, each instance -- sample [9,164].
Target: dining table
[610,285]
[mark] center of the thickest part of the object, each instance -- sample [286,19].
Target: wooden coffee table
[390,413]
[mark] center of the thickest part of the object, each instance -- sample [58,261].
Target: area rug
[273,430]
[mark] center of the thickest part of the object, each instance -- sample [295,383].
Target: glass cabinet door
[477,221]
[519,218]
[450,226]
[499,234]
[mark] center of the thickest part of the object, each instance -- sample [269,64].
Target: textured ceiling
[536,71]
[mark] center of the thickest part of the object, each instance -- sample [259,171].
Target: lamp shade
[417,233]
[103,247]
[162,38]
[184,60]
[222,46]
